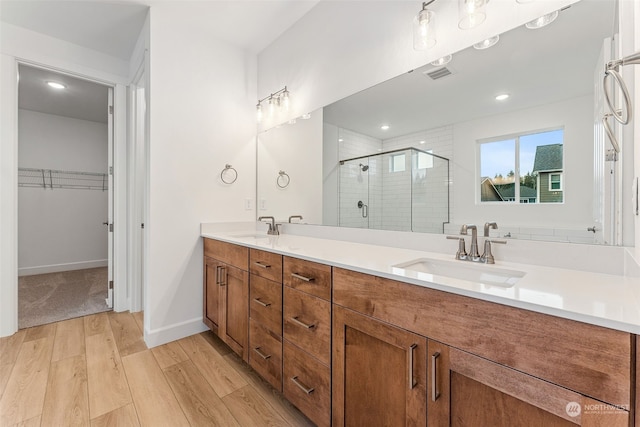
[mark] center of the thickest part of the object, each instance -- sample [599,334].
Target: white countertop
[606,300]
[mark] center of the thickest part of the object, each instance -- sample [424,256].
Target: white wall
[61,229]
[297,150]
[202,107]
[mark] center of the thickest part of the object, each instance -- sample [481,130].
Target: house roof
[508,191]
[548,158]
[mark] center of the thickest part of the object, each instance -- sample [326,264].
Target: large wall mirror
[509,133]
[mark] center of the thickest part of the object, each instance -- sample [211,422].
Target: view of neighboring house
[492,192]
[548,168]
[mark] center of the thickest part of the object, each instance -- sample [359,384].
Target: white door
[110,224]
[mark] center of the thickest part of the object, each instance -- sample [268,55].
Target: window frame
[560,181]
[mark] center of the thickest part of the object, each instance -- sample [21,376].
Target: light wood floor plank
[155,402]
[139,318]
[127,334]
[67,400]
[250,409]
[108,389]
[24,394]
[216,343]
[31,422]
[200,403]
[38,332]
[169,354]
[5,373]
[121,417]
[96,324]
[214,368]
[10,347]
[69,341]
[290,413]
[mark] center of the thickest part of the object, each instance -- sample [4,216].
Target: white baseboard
[174,332]
[54,268]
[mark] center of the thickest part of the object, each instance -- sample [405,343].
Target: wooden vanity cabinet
[379,373]
[226,291]
[467,390]
[307,338]
[265,323]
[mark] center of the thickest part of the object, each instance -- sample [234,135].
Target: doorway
[65,196]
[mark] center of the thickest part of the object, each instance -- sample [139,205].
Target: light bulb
[259,112]
[272,106]
[284,100]
[471,13]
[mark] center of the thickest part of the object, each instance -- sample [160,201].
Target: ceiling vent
[438,73]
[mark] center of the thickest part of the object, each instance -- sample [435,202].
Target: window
[516,169]
[555,182]
[397,163]
[425,161]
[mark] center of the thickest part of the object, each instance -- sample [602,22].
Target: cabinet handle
[306,279]
[261,354]
[264,304]
[223,276]
[301,386]
[435,394]
[304,325]
[412,381]
[259,264]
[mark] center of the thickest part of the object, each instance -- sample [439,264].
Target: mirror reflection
[503,134]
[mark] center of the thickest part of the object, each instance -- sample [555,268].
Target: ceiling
[535,67]
[113,29]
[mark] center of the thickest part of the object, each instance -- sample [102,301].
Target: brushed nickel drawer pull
[259,264]
[306,279]
[223,276]
[302,386]
[412,381]
[434,376]
[261,354]
[264,304]
[218,274]
[304,325]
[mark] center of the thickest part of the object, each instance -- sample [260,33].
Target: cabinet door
[212,271]
[467,390]
[235,295]
[379,373]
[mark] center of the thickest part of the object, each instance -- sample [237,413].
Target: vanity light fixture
[471,13]
[502,97]
[56,85]
[442,61]
[543,21]
[424,35]
[292,122]
[277,101]
[306,116]
[384,127]
[486,44]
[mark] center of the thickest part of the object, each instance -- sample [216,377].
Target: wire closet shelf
[50,178]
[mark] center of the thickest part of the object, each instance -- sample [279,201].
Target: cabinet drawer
[307,384]
[266,264]
[307,323]
[231,254]
[266,303]
[308,276]
[265,354]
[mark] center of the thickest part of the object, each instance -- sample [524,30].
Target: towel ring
[283,179]
[227,170]
[624,115]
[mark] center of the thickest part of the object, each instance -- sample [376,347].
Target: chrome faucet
[295,216]
[273,227]
[473,254]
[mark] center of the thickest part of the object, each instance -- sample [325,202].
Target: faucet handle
[462,252]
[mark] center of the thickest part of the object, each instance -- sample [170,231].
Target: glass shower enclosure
[402,190]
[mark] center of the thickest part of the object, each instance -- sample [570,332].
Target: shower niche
[402,190]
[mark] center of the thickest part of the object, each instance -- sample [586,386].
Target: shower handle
[365,209]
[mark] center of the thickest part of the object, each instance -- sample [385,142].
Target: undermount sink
[464,270]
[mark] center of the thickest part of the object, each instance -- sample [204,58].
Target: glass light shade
[272,106]
[442,61]
[543,21]
[471,13]
[259,112]
[424,34]
[485,44]
[284,100]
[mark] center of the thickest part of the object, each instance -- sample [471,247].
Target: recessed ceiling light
[485,44]
[384,127]
[422,142]
[56,85]
[502,97]
[340,140]
[543,21]
[442,61]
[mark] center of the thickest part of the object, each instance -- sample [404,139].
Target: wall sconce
[471,13]
[278,101]
[424,35]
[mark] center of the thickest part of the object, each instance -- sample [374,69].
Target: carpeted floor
[47,298]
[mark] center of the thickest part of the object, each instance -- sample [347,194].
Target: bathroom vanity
[317,318]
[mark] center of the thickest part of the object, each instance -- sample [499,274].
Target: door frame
[9,188]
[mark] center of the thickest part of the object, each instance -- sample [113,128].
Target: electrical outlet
[263,204]
[248,204]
